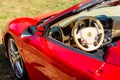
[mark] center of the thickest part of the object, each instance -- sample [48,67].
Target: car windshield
[104,10]
[88,5]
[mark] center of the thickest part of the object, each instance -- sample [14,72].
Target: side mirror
[32,29]
[28,32]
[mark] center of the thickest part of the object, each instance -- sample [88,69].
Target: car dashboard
[64,34]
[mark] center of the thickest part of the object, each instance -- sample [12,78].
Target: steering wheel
[90,37]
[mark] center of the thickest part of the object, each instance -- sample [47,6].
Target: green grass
[10,9]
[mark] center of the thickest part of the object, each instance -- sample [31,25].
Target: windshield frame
[87,5]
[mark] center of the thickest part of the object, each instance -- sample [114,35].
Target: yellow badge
[89,34]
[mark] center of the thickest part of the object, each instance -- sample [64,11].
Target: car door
[76,64]
[38,59]
[34,57]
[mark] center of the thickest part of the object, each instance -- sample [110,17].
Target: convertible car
[79,43]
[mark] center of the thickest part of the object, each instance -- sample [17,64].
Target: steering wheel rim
[88,32]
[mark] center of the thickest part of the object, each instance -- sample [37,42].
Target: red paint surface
[46,60]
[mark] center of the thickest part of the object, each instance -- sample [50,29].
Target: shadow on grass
[5,69]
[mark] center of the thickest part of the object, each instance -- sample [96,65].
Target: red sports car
[79,43]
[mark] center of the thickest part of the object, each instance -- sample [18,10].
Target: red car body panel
[19,25]
[116,3]
[93,69]
[113,55]
[47,59]
[56,54]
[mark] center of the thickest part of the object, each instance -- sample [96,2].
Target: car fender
[18,25]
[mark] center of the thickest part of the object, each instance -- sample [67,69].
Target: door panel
[35,60]
[78,64]
[38,60]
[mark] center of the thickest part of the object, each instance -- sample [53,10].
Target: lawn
[11,9]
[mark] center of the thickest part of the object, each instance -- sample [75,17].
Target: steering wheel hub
[89,34]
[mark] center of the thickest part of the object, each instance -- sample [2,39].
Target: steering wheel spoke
[78,35]
[91,46]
